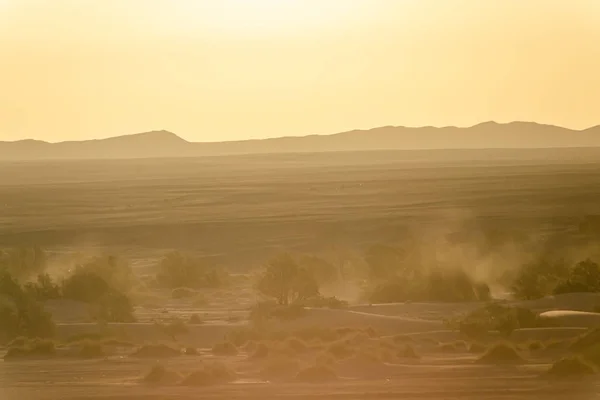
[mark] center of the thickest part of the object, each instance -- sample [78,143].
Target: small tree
[287,282]
[584,277]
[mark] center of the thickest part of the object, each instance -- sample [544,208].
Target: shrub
[182,293]
[496,317]
[501,353]
[195,320]
[174,328]
[584,277]
[287,282]
[408,352]
[36,348]
[571,367]
[538,279]
[160,375]
[340,350]
[90,349]
[224,349]
[261,351]
[210,374]
[20,313]
[190,351]
[325,302]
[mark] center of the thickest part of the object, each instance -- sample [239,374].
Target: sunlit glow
[262,16]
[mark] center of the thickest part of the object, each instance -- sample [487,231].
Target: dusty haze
[234,69]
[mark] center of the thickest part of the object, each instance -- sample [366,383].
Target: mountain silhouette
[487,135]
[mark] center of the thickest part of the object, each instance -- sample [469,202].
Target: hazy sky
[234,69]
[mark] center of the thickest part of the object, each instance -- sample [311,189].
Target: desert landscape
[299,199]
[195,249]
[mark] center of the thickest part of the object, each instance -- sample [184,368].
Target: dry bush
[340,350]
[317,374]
[34,348]
[261,351]
[589,339]
[190,351]
[408,352]
[195,320]
[159,375]
[250,347]
[501,353]
[182,293]
[224,349]
[91,349]
[572,367]
[535,345]
[156,351]
[210,374]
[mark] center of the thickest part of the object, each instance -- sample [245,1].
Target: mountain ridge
[163,143]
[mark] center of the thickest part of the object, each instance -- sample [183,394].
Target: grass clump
[571,367]
[160,375]
[261,351]
[156,351]
[408,352]
[340,350]
[34,348]
[210,374]
[501,353]
[91,349]
[190,351]
[195,320]
[224,349]
[182,293]
[535,345]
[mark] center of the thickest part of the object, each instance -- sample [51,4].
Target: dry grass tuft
[501,353]
[91,349]
[210,374]
[31,348]
[159,375]
[572,367]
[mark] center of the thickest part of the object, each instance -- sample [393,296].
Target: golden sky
[213,70]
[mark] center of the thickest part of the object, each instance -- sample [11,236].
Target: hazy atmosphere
[299,199]
[237,69]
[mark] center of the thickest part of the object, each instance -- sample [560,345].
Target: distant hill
[490,135]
